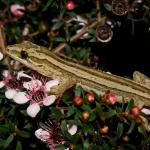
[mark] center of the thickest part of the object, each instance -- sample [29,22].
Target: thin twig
[98,10]
[34,34]
[75,37]
[2,40]
[3,47]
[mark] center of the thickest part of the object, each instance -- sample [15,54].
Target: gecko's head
[23,52]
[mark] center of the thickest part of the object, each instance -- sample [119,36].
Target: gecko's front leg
[65,82]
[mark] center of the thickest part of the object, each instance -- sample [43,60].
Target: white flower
[11,83]
[50,133]
[10,93]
[37,94]
[37,99]
[1,56]
[51,83]
[2,84]
[49,100]
[32,85]
[20,98]
[41,134]
[33,110]
[72,129]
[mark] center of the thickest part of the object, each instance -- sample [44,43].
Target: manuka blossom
[1,56]
[37,94]
[51,134]
[17,10]
[12,84]
[72,129]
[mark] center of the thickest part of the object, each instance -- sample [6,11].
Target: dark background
[126,53]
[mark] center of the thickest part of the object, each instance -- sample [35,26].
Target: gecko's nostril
[24,54]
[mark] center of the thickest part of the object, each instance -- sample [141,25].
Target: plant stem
[3,47]
[75,37]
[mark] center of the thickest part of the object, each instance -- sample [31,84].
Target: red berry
[70,5]
[111,98]
[125,138]
[78,100]
[90,97]
[135,111]
[104,130]
[85,116]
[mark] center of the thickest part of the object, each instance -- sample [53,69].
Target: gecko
[69,74]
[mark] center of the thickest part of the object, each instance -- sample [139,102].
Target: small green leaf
[78,91]
[47,5]
[78,147]
[8,141]
[64,126]
[92,116]
[60,39]
[91,31]
[106,147]
[86,129]
[108,6]
[94,147]
[86,107]
[24,134]
[19,145]
[28,126]
[142,130]
[131,147]
[4,129]
[71,111]
[57,25]
[119,130]
[56,113]
[86,145]
[111,113]
[98,108]
[129,106]
[131,127]
[60,147]
[68,37]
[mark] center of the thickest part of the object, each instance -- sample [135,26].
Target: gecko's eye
[24,54]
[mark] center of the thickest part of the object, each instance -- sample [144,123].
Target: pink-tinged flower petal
[146,111]
[72,129]
[33,110]
[20,98]
[32,85]
[10,93]
[22,74]
[5,73]
[1,56]
[49,100]
[51,83]
[17,10]
[2,84]
[41,134]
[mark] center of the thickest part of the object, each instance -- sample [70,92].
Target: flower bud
[90,97]
[70,5]
[135,111]
[77,100]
